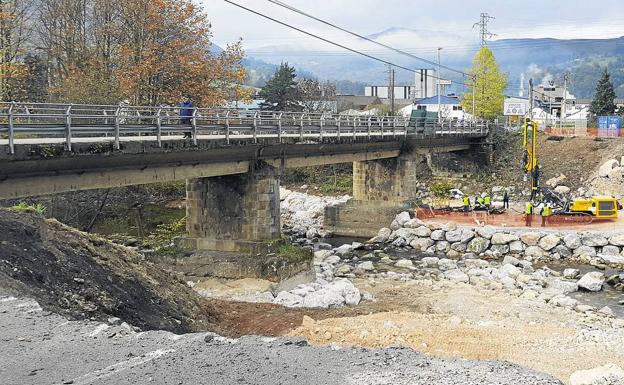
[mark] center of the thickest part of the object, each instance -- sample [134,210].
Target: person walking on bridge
[186,112]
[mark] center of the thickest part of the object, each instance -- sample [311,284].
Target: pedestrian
[506,199]
[186,112]
[528,213]
[480,202]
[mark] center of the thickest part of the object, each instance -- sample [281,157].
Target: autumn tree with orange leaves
[147,51]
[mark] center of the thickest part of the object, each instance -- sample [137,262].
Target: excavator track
[571,218]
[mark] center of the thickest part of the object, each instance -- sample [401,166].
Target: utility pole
[474,99]
[391,88]
[484,33]
[439,90]
[563,106]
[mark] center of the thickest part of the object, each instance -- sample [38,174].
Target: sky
[443,23]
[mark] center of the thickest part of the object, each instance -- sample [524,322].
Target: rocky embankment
[302,214]
[82,276]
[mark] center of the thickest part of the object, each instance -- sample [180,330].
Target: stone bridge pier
[381,189]
[233,212]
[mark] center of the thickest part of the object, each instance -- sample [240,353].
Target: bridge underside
[232,190]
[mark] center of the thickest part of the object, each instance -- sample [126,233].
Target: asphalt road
[37,347]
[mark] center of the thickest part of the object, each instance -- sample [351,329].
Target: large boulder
[447,264]
[564,190]
[516,247]
[572,241]
[405,264]
[503,238]
[366,266]
[607,166]
[443,246]
[610,374]
[499,250]
[563,251]
[413,223]
[533,252]
[565,287]
[346,289]
[531,238]
[456,275]
[592,281]
[402,218]
[571,273]
[610,250]
[454,236]
[421,244]
[467,235]
[324,298]
[405,233]
[486,232]
[422,231]
[552,182]
[616,173]
[585,252]
[594,240]
[549,242]
[478,245]
[430,261]
[382,236]
[438,235]
[288,299]
[617,240]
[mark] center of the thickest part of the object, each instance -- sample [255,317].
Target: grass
[36,208]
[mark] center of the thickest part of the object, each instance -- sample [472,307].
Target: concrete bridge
[231,162]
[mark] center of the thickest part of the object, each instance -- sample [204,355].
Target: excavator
[580,210]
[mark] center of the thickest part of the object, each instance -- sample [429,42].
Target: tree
[36,83]
[316,96]
[488,88]
[281,93]
[603,103]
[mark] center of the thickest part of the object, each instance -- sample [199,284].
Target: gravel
[44,348]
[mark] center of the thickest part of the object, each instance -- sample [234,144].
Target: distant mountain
[541,59]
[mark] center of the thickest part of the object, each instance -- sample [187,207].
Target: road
[37,347]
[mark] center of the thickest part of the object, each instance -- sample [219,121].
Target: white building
[449,107]
[425,86]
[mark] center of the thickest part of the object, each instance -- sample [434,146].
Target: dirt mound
[86,277]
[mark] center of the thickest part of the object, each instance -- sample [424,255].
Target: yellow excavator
[597,206]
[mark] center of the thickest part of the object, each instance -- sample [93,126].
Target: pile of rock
[514,275]
[486,241]
[302,214]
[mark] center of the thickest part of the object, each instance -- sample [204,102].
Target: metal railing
[72,121]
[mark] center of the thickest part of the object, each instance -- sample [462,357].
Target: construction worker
[488,201]
[480,202]
[546,212]
[528,213]
[506,200]
[466,203]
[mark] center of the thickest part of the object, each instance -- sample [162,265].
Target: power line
[334,43]
[296,10]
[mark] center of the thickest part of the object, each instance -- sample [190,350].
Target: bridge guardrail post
[321,123]
[117,112]
[338,127]
[194,124]
[356,124]
[159,128]
[369,124]
[301,127]
[405,126]
[394,127]
[255,127]
[68,133]
[11,128]
[227,127]
[279,127]
[381,126]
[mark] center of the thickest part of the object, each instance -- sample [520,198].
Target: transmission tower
[483,28]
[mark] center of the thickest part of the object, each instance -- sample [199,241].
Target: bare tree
[317,96]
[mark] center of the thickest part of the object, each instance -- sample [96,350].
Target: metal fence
[70,121]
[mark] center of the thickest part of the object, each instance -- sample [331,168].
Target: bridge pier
[233,212]
[381,189]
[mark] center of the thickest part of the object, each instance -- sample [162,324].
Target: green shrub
[36,208]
